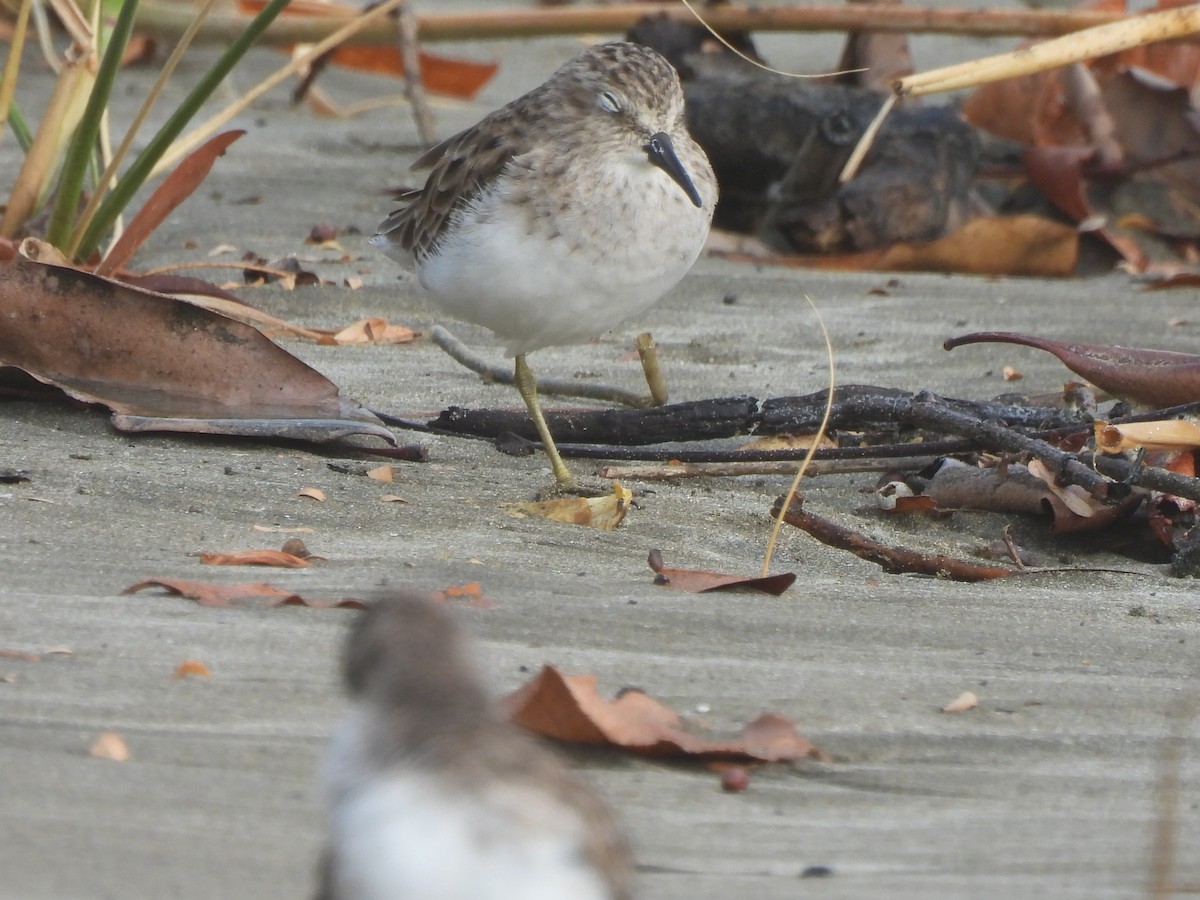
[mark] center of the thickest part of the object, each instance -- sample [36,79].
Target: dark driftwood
[1001,428]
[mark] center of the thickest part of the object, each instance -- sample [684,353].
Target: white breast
[405,836]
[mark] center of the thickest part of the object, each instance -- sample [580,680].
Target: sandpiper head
[631,97]
[408,652]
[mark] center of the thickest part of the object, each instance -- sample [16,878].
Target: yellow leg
[527,386]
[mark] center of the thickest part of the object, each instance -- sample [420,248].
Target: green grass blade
[141,167]
[20,127]
[75,166]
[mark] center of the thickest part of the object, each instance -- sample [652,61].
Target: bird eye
[610,102]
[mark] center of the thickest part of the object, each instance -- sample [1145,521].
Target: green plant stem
[75,166]
[141,167]
[20,127]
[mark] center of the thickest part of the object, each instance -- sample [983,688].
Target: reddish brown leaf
[439,74]
[1151,377]
[275,558]
[696,581]
[471,592]
[176,187]
[162,364]
[568,708]
[208,594]
[192,668]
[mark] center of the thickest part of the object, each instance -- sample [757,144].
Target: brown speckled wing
[461,168]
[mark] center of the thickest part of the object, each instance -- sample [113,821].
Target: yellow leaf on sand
[605,512]
[382,473]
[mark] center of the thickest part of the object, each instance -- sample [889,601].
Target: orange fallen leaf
[698,582]
[471,591]
[224,595]
[34,655]
[392,498]
[964,701]
[568,708]
[382,473]
[312,493]
[192,668]
[374,330]
[1011,374]
[275,558]
[110,745]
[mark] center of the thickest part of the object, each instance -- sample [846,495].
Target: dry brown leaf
[964,701]
[192,668]
[312,493]
[382,473]
[224,595]
[696,581]
[110,745]
[284,529]
[1153,377]
[276,558]
[374,330]
[161,363]
[1011,374]
[605,513]
[569,708]
[392,498]
[34,655]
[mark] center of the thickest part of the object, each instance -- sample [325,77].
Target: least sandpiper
[433,796]
[560,215]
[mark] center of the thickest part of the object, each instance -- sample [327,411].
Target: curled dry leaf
[225,595]
[312,493]
[1151,377]
[374,330]
[696,581]
[569,708]
[392,498]
[382,473]
[162,364]
[964,701]
[605,513]
[110,745]
[192,668]
[276,558]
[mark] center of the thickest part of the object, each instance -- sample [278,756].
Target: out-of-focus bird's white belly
[407,836]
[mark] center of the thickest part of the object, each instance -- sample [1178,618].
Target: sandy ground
[1047,789]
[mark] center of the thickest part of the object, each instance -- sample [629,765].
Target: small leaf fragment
[382,473]
[110,745]
[964,701]
[192,668]
[312,493]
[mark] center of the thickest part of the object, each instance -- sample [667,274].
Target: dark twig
[895,560]
[414,88]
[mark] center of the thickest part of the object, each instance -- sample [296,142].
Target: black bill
[662,154]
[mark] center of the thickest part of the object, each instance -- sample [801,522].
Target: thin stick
[165,19]
[460,353]
[414,89]
[738,470]
[812,448]
[1100,40]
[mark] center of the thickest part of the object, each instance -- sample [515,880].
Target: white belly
[546,279]
[405,839]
